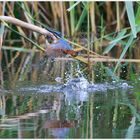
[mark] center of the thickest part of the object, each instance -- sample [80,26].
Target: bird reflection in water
[58,128]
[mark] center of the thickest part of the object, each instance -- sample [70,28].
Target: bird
[60,48]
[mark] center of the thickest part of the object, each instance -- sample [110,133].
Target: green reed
[105,33]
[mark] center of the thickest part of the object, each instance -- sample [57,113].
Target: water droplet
[58,79]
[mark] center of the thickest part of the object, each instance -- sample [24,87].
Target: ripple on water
[76,84]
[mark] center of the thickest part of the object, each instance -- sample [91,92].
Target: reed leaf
[81,19]
[72,6]
[115,41]
[128,44]
[118,39]
[130,131]
[131,17]
[137,20]
[72,18]
[19,49]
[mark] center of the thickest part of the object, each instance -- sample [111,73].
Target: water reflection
[59,132]
[60,129]
[2,105]
[78,96]
[34,113]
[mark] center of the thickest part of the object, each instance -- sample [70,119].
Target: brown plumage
[60,48]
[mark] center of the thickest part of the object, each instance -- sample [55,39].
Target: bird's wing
[61,44]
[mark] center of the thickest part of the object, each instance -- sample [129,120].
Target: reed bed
[104,31]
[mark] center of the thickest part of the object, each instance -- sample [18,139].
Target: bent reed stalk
[30,26]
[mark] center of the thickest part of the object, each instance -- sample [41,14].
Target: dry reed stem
[101,60]
[26,25]
[66,21]
[118,28]
[109,12]
[92,14]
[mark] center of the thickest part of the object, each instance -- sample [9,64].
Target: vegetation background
[107,34]
[108,29]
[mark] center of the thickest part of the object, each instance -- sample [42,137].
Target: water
[77,109]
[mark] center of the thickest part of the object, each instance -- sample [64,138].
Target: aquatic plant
[91,27]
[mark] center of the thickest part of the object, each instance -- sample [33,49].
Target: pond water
[76,109]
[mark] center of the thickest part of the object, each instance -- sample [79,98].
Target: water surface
[76,109]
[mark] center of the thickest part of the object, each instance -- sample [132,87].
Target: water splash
[76,86]
[58,79]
